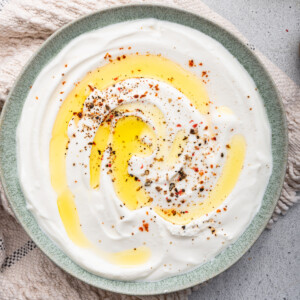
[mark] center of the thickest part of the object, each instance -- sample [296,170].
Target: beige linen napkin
[25,272]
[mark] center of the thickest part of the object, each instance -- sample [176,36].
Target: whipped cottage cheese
[144,150]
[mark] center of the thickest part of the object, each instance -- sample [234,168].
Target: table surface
[271,268]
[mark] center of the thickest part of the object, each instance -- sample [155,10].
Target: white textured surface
[270,26]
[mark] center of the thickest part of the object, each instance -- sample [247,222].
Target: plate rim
[129,287]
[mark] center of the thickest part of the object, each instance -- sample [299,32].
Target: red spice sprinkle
[116,78]
[287,30]
[191,63]
[178,125]
[66,65]
[204,73]
[146,226]
[63,82]
[196,169]
[218,210]
[191,121]
[224,208]
[36,97]
[142,166]
[195,125]
[214,138]
[109,165]
[141,229]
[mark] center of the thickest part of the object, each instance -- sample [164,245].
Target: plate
[13,108]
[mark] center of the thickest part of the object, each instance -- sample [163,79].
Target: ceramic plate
[12,111]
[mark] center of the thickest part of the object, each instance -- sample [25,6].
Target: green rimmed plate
[13,108]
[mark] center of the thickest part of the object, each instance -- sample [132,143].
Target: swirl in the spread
[124,134]
[144,150]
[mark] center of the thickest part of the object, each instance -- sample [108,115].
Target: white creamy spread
[174,177]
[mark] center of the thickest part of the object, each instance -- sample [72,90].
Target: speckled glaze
[13,108]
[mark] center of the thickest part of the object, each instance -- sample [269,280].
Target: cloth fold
[25,272]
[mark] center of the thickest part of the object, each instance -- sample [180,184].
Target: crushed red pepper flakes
[146,226]
[191,63]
